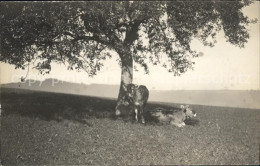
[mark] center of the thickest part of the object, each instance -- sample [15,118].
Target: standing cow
[137,96]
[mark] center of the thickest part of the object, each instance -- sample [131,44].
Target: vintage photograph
[130,82]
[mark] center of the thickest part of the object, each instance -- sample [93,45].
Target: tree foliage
[80,34]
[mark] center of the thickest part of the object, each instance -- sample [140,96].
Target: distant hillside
[54,85]
[227,98]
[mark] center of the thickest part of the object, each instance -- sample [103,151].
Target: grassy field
[40,128]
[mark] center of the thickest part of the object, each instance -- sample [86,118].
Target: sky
[222,67]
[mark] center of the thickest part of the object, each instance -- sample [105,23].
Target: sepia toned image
[130,83]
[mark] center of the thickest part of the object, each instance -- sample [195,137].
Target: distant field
[223,98]
[40,128]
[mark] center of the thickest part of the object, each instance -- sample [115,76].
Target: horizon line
[151,89]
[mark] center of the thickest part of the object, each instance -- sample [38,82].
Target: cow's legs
[142,114]
[136,114]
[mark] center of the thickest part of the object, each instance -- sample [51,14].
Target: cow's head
[130,90]
[188,111]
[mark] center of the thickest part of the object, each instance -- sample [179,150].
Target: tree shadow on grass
[59,107]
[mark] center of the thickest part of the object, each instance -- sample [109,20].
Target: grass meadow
[40,128]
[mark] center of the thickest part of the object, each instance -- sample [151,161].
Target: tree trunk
[122,106]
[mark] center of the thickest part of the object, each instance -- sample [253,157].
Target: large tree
[82,34]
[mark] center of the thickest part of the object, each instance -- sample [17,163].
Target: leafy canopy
[80,34]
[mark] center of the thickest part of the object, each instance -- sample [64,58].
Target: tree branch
[93,38]
[132,32]
[164,34]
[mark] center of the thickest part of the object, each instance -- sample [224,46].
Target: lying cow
[174,117]
[137,95]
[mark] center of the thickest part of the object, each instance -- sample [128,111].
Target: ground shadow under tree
[60,107]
